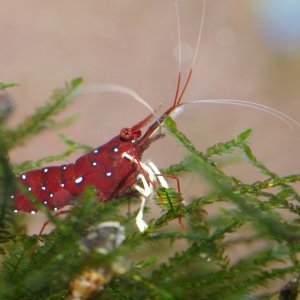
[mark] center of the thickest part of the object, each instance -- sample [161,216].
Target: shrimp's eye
[126,134]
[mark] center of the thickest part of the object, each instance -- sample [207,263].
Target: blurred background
[250,50]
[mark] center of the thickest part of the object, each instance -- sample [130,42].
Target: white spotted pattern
[33,212]
[116,149]
[29,189]
[94,163]
[96,151]
[45,170]
[55,208]
[12,197]
[23,176]
[51,195]
[15,210]
[46,202]
[62,184]
[64,167]
[78,180]
[108,174]
[43,188]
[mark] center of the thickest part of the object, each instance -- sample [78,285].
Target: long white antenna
[200,33]
[178,99]
[116,88]
[179,36]
[254,105]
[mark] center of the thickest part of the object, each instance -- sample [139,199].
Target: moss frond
[7,85]
[42,118]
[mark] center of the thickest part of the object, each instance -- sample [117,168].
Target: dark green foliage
[42,119]
[7,186]
[198,260]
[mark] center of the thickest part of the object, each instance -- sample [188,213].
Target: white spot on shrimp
[94,163]
[96,151]
[12,197]
[33,212]
[29,189]
[43,188]
[64,167]
[45,170]
[62,184]
[108,174]
[46,202]
[116,149]
[78,180]
[55,209]
[15,210]
[51,195]
[23,176]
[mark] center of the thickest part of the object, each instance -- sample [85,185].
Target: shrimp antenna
[178,35]
[116,88]
[254,105]
[179,52]
[178,99]
[200,34]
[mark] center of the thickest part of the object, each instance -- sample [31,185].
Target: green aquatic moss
[152,265]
